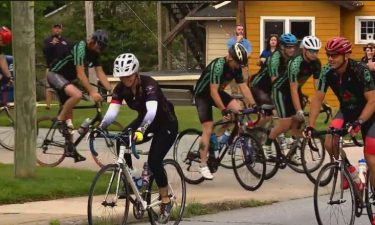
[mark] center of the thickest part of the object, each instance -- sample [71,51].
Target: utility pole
[25,88]
[89,14]
[160,34]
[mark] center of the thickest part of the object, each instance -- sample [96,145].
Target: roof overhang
[350,5]
[226,12]
[211,18]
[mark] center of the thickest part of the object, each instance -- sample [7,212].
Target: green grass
[49,183]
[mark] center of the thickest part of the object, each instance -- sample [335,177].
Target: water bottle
[225,137]
[138,181]
[355,176]
[83,128]
[214,145]
[362,170]
[145,175]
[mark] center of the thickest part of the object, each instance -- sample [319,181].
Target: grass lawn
[187,115]
[49,183]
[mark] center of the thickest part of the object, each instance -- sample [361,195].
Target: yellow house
[324,19]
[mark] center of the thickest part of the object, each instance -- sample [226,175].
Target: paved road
[293,212]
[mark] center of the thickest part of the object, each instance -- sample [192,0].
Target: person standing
[55,46]
[238,37]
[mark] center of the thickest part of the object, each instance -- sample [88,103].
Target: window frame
[287,27]
[357,29]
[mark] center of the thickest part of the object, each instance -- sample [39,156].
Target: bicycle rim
[50,143]
[369,197]
[176,192]
[186,153]
[226,161]
[7,131]
[103,150]
[333,204]
[104,205]
[248,161]
[298,151]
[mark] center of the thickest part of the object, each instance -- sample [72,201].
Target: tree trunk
[25,89]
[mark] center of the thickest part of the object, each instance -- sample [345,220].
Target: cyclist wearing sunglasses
[71,66]
[354,87]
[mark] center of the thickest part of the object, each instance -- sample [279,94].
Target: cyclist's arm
[111,114]
[369,109]
[216,97]
[315,106]
[295,96]
[151,107]
[249,99]
[103,78]
[4,66]
[80,69]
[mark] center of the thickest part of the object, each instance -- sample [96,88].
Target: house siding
[327,25]
[217,34]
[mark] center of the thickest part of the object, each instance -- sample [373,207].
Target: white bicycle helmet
[125,65]
[311,42]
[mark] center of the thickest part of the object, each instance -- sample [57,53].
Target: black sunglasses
[313,51]
[333,55]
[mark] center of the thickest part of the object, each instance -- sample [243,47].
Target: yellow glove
[138,136]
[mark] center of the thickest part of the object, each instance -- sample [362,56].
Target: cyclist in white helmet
[209,91]
[155,115]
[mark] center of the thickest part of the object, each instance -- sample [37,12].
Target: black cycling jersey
[217,72]
[148,90]
[299,70]
[262,79]
[349,88]
[77,55]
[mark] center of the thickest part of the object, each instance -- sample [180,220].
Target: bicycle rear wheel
[50,143]
[176,192]
[7,131]
[369,197]
[186,154]
[103,150]
[226,162]
[108,201]
[249,163]
[332,203]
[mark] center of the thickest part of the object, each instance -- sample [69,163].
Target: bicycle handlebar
[333,131]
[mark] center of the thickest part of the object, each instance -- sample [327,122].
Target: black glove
[354,126]
[226,112]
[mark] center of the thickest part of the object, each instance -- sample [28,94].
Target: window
[299,26]
[364,29]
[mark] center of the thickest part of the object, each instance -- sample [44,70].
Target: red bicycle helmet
[6,35]
[339,45]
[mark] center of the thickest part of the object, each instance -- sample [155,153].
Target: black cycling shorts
[260,96]
[58,83]
[205,102]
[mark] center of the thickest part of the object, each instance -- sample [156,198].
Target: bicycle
[113,189]
[331,198]
[311,158]
[52,144]
[247,156]
[7,129]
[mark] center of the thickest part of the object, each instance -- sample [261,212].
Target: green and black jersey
[217,72]
[349,88]
[277,68]
[77,55]
[299,70]
[262,79]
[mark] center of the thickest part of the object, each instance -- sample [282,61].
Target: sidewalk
[286,185]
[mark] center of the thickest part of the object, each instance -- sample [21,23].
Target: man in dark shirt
[55,46]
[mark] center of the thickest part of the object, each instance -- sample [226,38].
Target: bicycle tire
[185,146]
[369,197]
[103,151]
[321,204]
[248,154]
[103,183]
[7,131]
[308,155]
[49,150]
[176,185]
[296,168]
[226,162]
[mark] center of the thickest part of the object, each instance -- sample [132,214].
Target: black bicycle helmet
[101,38]
[239,54]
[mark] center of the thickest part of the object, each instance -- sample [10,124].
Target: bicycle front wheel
[7,131]
[186,153]
[334,202]
[103,150]
[369,197]
[108,201]
[249,163]
[50,143]
[176,193]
